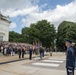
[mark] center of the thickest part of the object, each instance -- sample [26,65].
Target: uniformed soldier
[70,58]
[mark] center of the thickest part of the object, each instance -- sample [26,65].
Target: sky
[24,12]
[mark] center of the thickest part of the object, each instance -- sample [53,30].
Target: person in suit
[41,52]
[70,58]
[23,52]
[30,53]
[19,51]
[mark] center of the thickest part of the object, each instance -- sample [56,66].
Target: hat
[69,41]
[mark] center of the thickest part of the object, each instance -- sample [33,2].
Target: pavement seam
[13,72]
[35,72]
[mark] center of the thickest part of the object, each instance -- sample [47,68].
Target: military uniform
[70,61]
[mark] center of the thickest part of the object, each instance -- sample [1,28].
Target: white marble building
[4,28]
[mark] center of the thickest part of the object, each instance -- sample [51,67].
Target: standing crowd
[12,49]
[21,49]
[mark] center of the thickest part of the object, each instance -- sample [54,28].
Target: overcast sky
[24,12]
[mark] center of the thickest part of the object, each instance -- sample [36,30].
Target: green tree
[29,34]
[42,31]
[15,37]
[66,30]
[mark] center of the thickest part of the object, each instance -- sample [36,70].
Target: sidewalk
[16,58]
[7,59]
[17,68]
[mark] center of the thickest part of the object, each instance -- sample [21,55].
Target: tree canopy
[42,31]
[15,37]
[66,30]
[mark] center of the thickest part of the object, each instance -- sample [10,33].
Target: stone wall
[4,29]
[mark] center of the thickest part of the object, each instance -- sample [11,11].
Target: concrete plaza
[54,65]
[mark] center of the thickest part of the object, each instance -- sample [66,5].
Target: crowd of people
[11,49]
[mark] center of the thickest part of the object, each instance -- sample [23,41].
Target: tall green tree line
[45,33]
[66,30]
[42,31]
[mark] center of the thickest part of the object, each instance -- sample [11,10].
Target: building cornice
[5,18]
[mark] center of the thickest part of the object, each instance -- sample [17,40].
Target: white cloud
[13,25]
[34,12]
[14,8]
[43,6]
[15,4]
[57,15]
[20,7]
[24,11]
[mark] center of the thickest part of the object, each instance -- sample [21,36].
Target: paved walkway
[24,67]
[9,59]
[4,59]
[48,63]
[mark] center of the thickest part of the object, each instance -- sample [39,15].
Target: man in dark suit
[19,51]
[30,53]
[23,52]
[41,52]
[70,58]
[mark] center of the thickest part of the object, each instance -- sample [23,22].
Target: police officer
[70,58]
